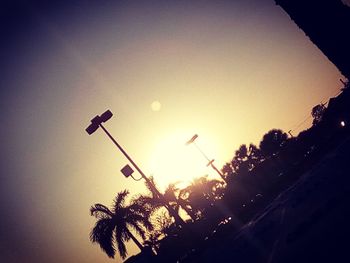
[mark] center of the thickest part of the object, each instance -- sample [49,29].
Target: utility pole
[95,124]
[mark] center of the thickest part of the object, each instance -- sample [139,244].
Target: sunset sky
[227,70]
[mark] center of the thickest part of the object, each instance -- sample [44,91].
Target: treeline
[212,209]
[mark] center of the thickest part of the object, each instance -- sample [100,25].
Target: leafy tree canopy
[272,141]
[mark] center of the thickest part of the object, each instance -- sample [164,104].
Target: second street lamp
[210,162]
[96,122]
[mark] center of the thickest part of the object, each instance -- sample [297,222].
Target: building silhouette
[326,23]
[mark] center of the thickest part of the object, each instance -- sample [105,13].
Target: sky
[228,71]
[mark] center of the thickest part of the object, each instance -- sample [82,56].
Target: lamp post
[96,122]
[210,162]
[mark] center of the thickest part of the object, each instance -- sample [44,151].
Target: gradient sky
[227,70]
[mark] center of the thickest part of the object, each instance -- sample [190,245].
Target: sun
[172,161]
[156,105]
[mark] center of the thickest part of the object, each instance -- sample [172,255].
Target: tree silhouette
[239,160]
[272,142]
[153,241]
[175,200]
[202,195]
[255,156]
[112,228]
[246,159]
[227,170]
[163,227]
[152,202]
[317,113]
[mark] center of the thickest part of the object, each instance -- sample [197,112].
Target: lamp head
[194,137]
[91,128]
[127,171]
[97,120]
[106,116]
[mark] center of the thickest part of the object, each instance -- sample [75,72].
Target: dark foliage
[317,113]
[272,142]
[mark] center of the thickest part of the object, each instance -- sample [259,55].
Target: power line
[324,101]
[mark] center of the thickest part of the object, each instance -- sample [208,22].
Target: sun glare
[173,161]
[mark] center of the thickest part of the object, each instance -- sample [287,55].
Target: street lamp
[210,162]
[96,122]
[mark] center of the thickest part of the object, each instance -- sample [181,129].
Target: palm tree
[155,200]
[202,194]
[112,228]
[173,197]
[150,201]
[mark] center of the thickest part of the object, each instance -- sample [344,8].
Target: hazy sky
[227,70]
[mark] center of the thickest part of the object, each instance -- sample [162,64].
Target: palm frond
[147,223]
[102,234]
[149,203]
[138,229]
[153,240]
[172,187]
[140,219]
[120,238]
[139,205]
[162,221]
[120,200]
[100,211]
[170,192]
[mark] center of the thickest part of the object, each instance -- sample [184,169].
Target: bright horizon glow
[172,161]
